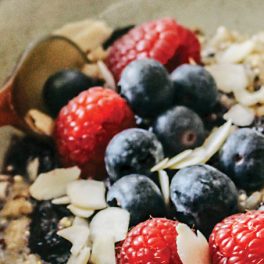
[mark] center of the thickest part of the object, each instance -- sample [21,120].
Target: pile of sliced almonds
[199,155]
[94,241]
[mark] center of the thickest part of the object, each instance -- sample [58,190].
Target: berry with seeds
[43,238]
[238,239]
[64,85]
[203,196]
[145,84]
[139,195]
[153,241]
[179,128]
[85,126]
[194,87]
[242,158]
[133,150]
[163,40]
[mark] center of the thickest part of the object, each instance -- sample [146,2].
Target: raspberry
[153,241]
[86,125]
[238,239]
[163,40]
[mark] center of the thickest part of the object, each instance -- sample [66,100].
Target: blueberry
[24,150]
[179,128]
[139,196]
[242,158]
[43,238]
[145,84]
[133,150]
[203,196]
[194,87]
[64,85]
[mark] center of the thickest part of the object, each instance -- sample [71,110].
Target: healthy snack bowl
[135,138]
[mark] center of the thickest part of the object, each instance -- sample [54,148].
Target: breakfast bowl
[132,132]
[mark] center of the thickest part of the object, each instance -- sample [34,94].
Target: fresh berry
[153,242]
[85,126]
[179,128]
[194,87]
[145,84]
[143,123]
[133,150]
[139,195]
[238,239]
[43,238]
[242,158]
[203,196]
[163,40]
[23,150]
[64,85]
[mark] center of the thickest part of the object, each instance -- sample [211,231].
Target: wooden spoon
[23,90]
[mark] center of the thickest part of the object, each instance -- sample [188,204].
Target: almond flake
[249,98]
[40,122]
[229,76]
[107,75]
[160,166]
[32,169]
[237,52]
[3,189]
[53,184]
[88,194]
[81,212]
[112,222]
[61,200]
[192,248]
[80,221]
[240,115]
[81,258]
[178,158]
[103,250]
[165,185]
[78,235]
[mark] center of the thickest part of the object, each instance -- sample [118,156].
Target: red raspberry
[86,125]
[163,40]
[153,242]
[238,239]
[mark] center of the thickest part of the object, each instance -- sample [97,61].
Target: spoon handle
[7,112]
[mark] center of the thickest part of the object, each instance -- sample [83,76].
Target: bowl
[33,19]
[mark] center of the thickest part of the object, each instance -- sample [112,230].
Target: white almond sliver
[237,52]
[78,235]
[249,98]
[81,212]
[161,165]
[80,221]
[61,200]
[88,194]
[103,250]
[178,158]
[229,76]
[107,75]
[53,184]
[112,221]
[81,258]
[192,248]
[165,185]
[240,115]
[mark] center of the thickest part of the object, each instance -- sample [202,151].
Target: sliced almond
[178,158]
[229,76]
[103,250]
[81,212]
[249,98]
[240,115]
[3,189]
[88,194]
[111,222]
[107,75]
[160,166]
[81,258]
[78,235]
[53,184]
[237,52]
[165,186]
[192,248]
[32,169]
[40,122]
[80,221]
[61,200]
